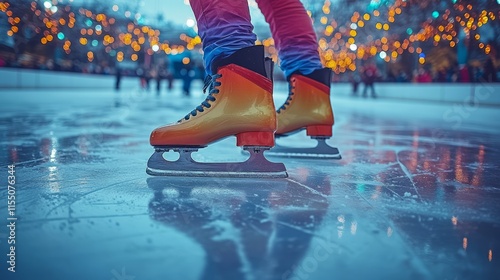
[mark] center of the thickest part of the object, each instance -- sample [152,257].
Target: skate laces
[289,99]
[211,84]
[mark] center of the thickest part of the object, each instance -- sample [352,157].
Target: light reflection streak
[354,227]
[378,191]
[54,179]
[476,179]
[490,255]
[465,243]
[460,175]
[340,229]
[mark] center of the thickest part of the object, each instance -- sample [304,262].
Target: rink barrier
[480,93]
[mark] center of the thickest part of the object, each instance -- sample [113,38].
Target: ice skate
[307,107]
[240,104]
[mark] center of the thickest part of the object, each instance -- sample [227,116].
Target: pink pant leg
[293,35]
[224,27]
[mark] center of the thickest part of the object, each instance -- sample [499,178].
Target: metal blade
[256,166]
[322,150]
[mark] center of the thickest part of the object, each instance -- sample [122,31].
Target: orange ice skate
[240,104]
[307,107]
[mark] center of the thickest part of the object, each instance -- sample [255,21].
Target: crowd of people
[367,74]
[487,72]
[160,72]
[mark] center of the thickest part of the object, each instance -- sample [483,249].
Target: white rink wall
[481,93]
[15,78]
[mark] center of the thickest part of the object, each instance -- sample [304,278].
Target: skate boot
[307,107]
[240,104]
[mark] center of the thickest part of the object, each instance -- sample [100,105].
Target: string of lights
[387,29]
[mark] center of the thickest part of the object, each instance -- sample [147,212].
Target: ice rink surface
[416,195]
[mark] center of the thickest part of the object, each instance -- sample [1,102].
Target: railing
[465,93]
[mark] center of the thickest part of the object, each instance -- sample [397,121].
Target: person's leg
[372,86]
[224,27]
[239,100]
[293,35]
[308,104]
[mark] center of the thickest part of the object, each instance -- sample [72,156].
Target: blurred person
[170,80]
[369,74]
[401,77]
[118,73]
[423,76]
[354,80]
[477,74]
[239,83]
[490,71]
[187,74]
[169,76]
[452,75]
[463,74]
[149,74]
[160,75]
[441,75]
[139,72]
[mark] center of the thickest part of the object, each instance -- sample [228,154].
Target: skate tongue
[211,83]
[207,83]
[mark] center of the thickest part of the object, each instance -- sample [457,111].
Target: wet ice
[414,197]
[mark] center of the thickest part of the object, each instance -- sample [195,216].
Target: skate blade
[321,151]
[256,166]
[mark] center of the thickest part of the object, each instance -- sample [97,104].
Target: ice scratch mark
[84,217]
[75,199]
[308,188]
[18,164]
[408,175]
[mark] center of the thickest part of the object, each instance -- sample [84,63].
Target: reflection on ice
[246,227]
[410,199]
